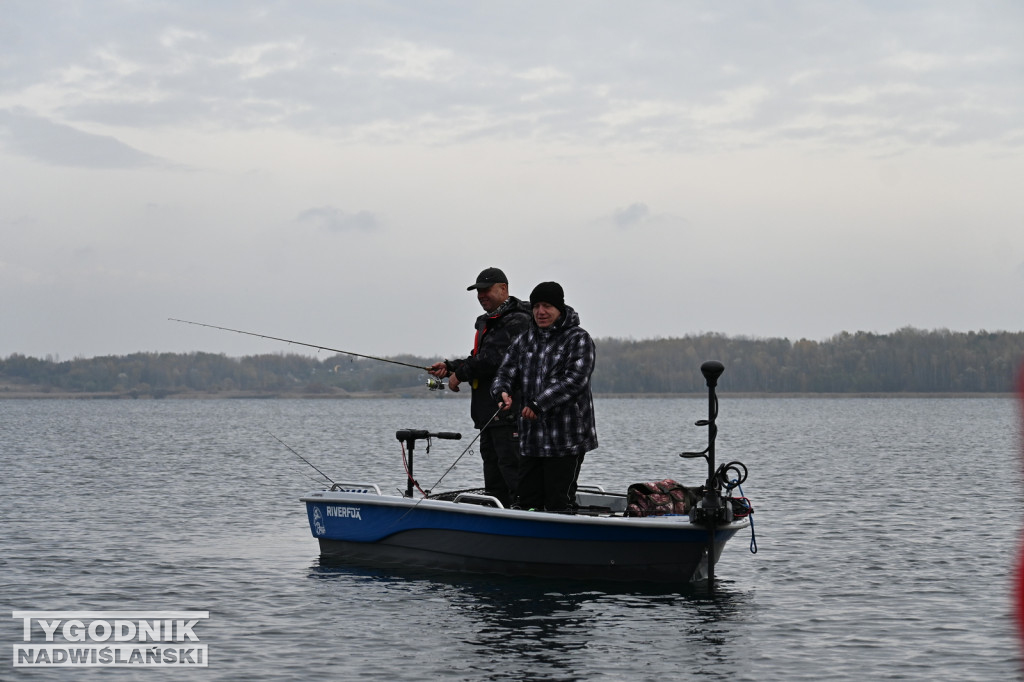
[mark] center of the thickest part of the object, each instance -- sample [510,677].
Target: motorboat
[659,532]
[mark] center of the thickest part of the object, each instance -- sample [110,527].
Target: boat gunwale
[449,506]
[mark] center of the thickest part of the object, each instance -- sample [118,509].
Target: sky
[337,173]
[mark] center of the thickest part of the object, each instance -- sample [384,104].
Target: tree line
[906,361]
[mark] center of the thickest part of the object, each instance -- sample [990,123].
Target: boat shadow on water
[530,595]
[513,627]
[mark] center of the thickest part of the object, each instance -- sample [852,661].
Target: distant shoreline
[420,393]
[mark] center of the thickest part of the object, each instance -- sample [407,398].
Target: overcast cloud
[338,173]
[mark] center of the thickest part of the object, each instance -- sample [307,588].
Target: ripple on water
[885,548]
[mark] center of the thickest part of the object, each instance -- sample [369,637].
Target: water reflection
[521,627]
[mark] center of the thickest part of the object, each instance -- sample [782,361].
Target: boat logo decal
[344,512]
[318,522]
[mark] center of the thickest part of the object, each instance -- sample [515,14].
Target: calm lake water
[886,530]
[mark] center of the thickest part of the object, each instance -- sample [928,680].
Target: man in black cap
[504,318]
[549,368]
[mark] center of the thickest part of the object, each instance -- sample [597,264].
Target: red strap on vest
[480,334]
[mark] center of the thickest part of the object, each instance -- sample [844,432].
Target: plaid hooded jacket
[550,370]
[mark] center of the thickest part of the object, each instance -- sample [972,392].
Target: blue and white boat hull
[360,525]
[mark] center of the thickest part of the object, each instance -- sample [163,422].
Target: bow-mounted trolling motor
[409,438]
[714,509]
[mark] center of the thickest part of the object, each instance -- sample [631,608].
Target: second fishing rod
[432,383]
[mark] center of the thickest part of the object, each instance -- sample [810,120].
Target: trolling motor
[409,438]
[713,509]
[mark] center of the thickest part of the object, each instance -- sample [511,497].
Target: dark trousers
[499,449]
[548,483]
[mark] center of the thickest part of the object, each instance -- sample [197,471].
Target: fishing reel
[435,384]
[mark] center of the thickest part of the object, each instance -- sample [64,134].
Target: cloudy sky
[338,172]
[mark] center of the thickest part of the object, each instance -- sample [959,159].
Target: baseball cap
[487,278]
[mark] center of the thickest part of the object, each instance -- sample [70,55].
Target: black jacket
[495,332]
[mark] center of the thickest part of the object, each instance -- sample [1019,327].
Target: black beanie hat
[549,292]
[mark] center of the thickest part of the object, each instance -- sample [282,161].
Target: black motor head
[712,369]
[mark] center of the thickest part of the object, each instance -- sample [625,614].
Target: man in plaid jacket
[549,367]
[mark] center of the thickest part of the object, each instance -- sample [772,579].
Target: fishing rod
[291,450]
[466,450]
[300,343]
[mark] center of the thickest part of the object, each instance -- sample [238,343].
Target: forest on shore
[907,361]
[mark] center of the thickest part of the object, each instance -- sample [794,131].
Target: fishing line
[466,450]
[291,450]
[300,343]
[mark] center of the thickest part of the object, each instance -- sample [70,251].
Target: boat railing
[590,489]
[344,487]
[477,498]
